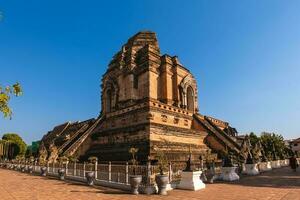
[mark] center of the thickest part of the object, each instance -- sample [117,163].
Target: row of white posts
[52,169]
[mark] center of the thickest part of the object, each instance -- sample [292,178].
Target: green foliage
[28,151]
[73,158]
[5,95]
[35,148]
[32,150]
[163,162]
[273,145]
[18,144]
[93,159]
[133,151]
[20,158]
[254,139]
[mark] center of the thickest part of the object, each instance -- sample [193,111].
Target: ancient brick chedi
[149,101]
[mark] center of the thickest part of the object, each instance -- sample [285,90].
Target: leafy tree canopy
[18,144]
[253,138]
[5,95]
[273,145]
[32,150]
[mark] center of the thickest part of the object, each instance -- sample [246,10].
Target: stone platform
[191,181]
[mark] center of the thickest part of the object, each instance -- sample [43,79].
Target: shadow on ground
[277,178]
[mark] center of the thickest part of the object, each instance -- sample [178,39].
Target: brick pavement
[277,184]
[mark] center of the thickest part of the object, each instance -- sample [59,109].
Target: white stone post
[170,173]
[67,168]
[109,171]
[96,169]
[74,171]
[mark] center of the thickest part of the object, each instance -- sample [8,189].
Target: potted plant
[135,180]
[90,175]
[162,178]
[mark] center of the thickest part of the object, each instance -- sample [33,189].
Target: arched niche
[188,93]
[109,96]
[190,99]
[108,100]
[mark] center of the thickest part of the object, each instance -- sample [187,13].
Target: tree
[273,145]
[5,95]
[32,150]
[253,138]
[18,145]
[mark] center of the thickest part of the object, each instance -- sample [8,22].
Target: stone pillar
[184,102]
[170,173]
[166,80]
[67,168]
[109,171]
[74,170]
[96,169]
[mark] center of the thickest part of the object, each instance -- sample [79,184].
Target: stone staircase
[221,136]
[79,139]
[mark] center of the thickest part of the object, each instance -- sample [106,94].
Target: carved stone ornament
[150,116]
[164,118]
[176,120]
[53,152]
[186,122]
[43,153]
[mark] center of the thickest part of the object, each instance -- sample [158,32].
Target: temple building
[148,101]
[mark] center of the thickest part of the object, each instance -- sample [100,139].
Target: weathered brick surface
[281,184]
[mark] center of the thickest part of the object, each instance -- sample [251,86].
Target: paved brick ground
[277,184]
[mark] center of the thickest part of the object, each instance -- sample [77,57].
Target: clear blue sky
[244,54]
